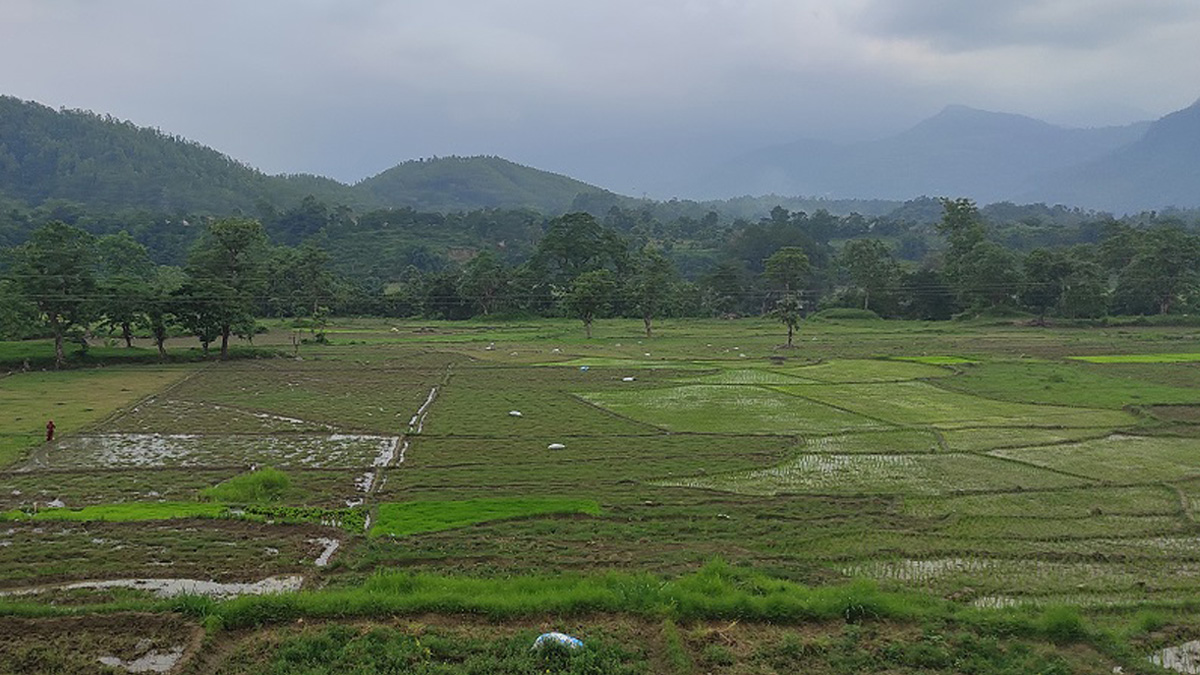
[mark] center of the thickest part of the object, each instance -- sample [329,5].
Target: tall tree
[55,269]
[653,285]
[1046,275]
[483,280]
[125,273]
[789,310]
[591,295]
[1162,274]
[870,266]
[229,261]
[788,268]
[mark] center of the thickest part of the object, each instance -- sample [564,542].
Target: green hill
[467,183]
[104,163]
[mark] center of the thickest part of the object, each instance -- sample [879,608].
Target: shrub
[263,485]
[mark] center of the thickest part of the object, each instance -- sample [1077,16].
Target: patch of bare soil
[145,643]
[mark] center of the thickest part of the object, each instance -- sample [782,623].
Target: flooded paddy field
[964,472]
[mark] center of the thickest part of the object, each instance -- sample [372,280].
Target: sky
[632,95]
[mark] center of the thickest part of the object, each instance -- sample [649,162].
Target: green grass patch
[1081,503]
[1118,458]
[910,403]
[992,438]
[938,360]
[730,409]
[128,512]
[717,591]
[1140,358]
[868,370]
[398,519]
[881,474]
[1074,384]
[264,485]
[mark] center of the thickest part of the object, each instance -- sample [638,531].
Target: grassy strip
[937,360]
[128,512]
[398,519]
[351,519]
[40,354]
[716,591]
[1139,358]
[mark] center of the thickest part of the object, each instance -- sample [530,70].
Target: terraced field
[619,488]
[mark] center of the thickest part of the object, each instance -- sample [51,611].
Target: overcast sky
[627,94]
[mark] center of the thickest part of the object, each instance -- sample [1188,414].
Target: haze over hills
[1161,168]
[960,151]
[101,162]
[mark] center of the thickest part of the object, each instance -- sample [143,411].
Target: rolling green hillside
[103,163]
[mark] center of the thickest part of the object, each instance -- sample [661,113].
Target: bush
[263,485]
[846,313]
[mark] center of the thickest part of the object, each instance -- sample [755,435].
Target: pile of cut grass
[254,487]
[398,519]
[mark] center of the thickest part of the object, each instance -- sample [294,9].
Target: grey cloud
[955,25]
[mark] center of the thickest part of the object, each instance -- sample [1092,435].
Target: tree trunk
[162,348]
[225,343]
[646,318]
[866,298]
[791,329]
[127,333]
[60,359]
[587,328]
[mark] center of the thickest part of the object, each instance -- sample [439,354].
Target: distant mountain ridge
[988,156]
[1160,169]
[103,162]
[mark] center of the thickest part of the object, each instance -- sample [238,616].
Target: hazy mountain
[105,163]
[1160,169]
[466,183]
[960,151]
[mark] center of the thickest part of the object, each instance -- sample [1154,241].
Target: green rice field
[891,497]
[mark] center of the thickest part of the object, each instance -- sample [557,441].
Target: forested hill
[103,163]
[466,183]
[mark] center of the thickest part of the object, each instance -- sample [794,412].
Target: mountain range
[102,162]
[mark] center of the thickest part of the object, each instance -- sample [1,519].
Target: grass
[1065,383]
[882,474]
[263,485]
[1141,358]
[128,512]
[869,370]
[856,454]
[1079,503]
[398,519]
[729,409]
[1118,458]
[922,403]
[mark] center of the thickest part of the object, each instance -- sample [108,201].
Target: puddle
[169,588]
[152,449]
[1182,659]
[417,423]
[151,662]
[331,547]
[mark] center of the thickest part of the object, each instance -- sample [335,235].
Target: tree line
[63,281]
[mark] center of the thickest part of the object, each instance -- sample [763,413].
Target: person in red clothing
[49,431]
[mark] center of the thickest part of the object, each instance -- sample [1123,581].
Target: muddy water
[331,547]
[168,588]
[1182,659]
[151,662]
